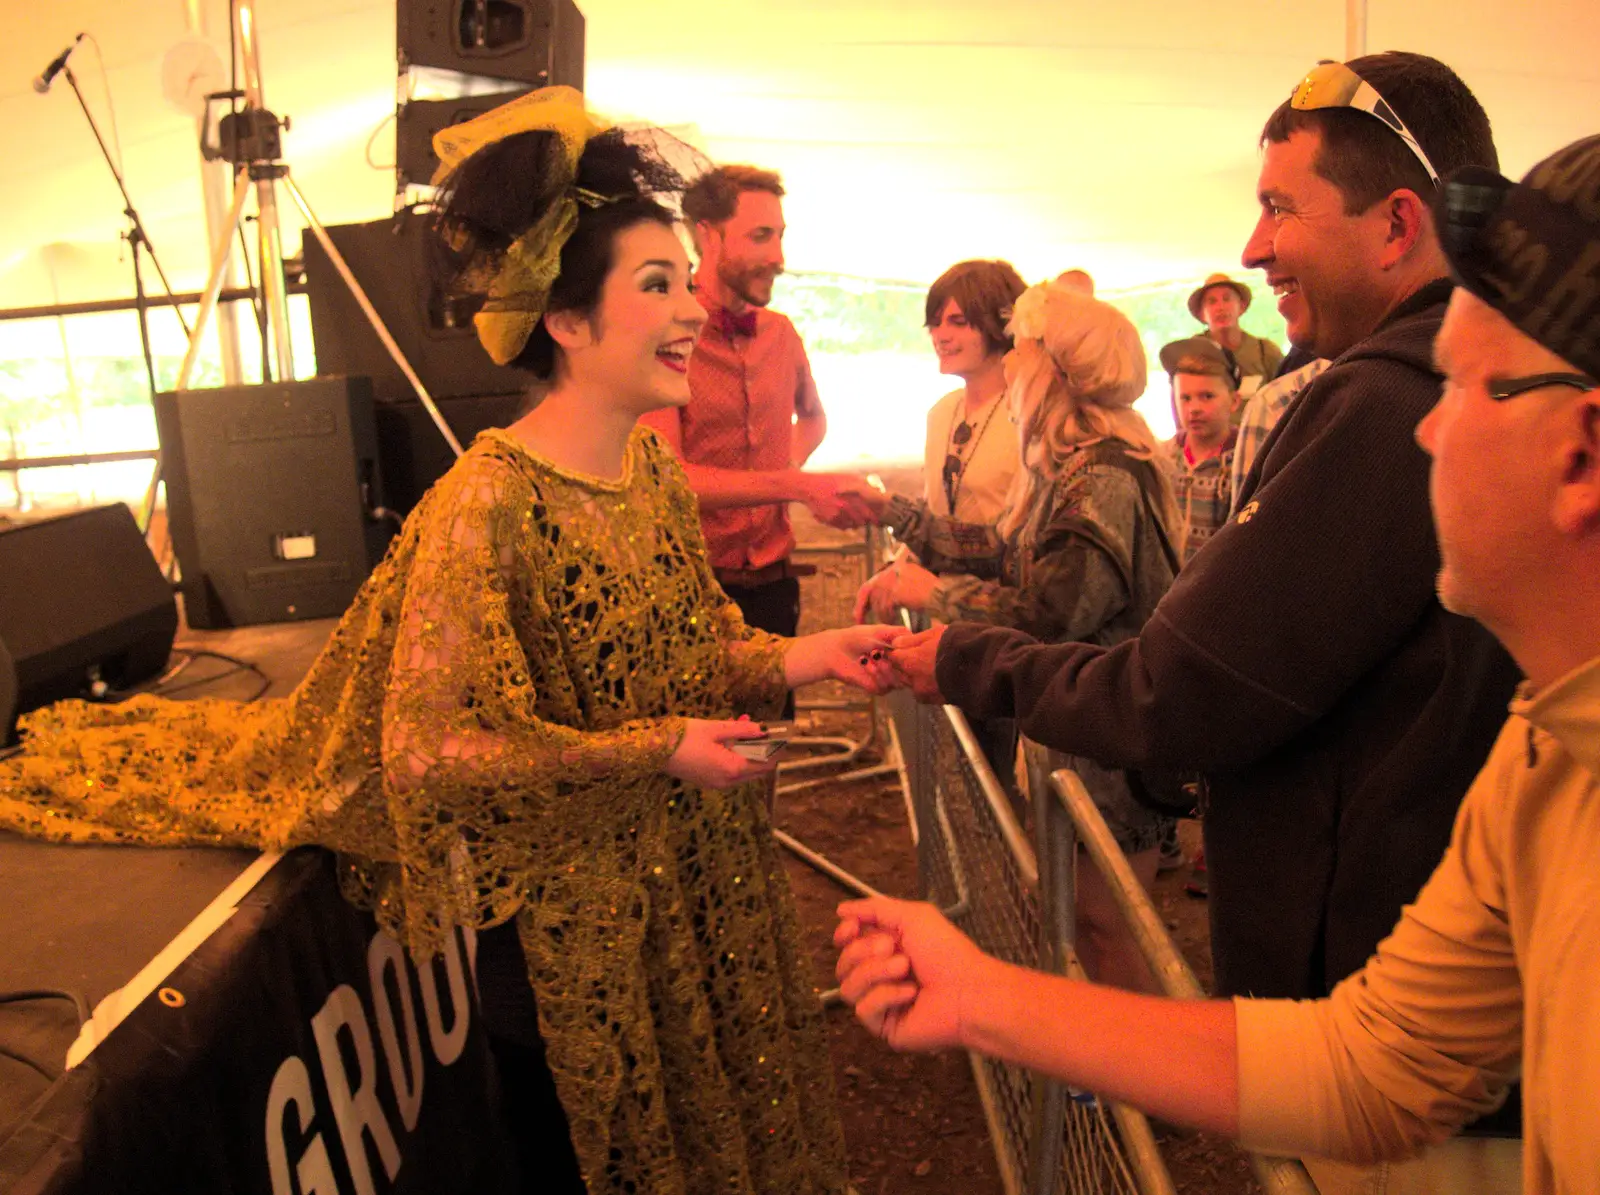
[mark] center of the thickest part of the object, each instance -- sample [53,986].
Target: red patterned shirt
[744,392]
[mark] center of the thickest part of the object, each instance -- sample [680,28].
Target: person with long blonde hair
[1082,552]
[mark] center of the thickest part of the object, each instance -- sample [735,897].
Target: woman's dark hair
[501,191]
[985,291]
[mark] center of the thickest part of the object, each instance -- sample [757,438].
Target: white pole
[1355,29]
[270,243]
[215,180]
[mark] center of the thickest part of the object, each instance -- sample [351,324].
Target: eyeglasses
[1511,387]
[1335,85]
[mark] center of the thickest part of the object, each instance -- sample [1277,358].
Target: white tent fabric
[1120,137]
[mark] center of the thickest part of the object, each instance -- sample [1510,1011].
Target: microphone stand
[139,241]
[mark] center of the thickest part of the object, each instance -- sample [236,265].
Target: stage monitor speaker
[390,260]
[83,609]
[269,490]
[412,452]
[417,121]
[538,42]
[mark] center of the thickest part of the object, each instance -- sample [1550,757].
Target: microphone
[57,65]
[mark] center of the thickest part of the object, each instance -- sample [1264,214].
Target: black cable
[238,667]
[28,994]
[163,687]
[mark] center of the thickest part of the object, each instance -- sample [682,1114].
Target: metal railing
[1071,819]
[830,594]
[840,569]
[1015,898]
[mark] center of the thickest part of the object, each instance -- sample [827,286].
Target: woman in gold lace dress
[524,715]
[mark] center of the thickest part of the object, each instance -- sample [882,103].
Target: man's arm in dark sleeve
[1318,580]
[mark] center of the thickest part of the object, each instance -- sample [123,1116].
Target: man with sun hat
[1218,303]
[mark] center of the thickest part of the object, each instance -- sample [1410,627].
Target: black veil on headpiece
[512,187]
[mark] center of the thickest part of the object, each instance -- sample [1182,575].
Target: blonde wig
[1072,380]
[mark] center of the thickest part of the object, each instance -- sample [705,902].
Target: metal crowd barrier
[1015,898]
[1069,818]
[829,601]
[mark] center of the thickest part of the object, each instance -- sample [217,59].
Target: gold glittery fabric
[484,736]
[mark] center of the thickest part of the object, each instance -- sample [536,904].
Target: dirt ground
[914,1124]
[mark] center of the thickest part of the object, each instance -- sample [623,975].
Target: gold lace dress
[483,737]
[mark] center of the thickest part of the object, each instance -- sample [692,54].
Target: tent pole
[269,240]
[1355,29]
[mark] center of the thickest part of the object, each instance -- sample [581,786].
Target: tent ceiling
[1119,137]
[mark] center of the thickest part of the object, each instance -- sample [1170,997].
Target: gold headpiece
[520,289]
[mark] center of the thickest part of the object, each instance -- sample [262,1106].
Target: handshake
[842,500]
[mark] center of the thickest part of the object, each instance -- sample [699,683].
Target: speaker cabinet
[83,608]
[268,489]
[417,121]
[390,260]
[538,42]
[414,455]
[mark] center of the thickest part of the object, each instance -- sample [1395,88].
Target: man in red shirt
[753,417]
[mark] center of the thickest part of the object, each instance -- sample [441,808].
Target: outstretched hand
[703,758]
[903,583]
[914,657]
[841,500]
[856,655]
[909,974]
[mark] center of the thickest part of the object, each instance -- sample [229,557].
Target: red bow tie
[731,325]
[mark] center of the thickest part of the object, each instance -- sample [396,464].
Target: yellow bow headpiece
[520,290]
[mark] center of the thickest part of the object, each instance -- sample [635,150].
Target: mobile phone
[773,739]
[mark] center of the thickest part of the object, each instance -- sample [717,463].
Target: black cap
[1531,250]
[1203,347]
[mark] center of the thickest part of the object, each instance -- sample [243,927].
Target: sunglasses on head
[1335,85]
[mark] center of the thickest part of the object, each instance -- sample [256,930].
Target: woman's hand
[904,583]
[909,974]
[703,759]
[855,655]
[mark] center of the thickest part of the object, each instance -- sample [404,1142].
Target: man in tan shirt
[1491,974]
[1218,302]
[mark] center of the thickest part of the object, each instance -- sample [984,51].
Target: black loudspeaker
[83,609]
[268,493]
[416,123]
[538,42]
[390,260]
[413,453]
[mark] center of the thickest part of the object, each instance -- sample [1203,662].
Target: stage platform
[232,992]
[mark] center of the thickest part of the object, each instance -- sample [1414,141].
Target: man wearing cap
[1302,663]
[1218,303]
[1199,457]
[1491,973]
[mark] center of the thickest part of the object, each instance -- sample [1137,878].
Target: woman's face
[959,345]
[645,324]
